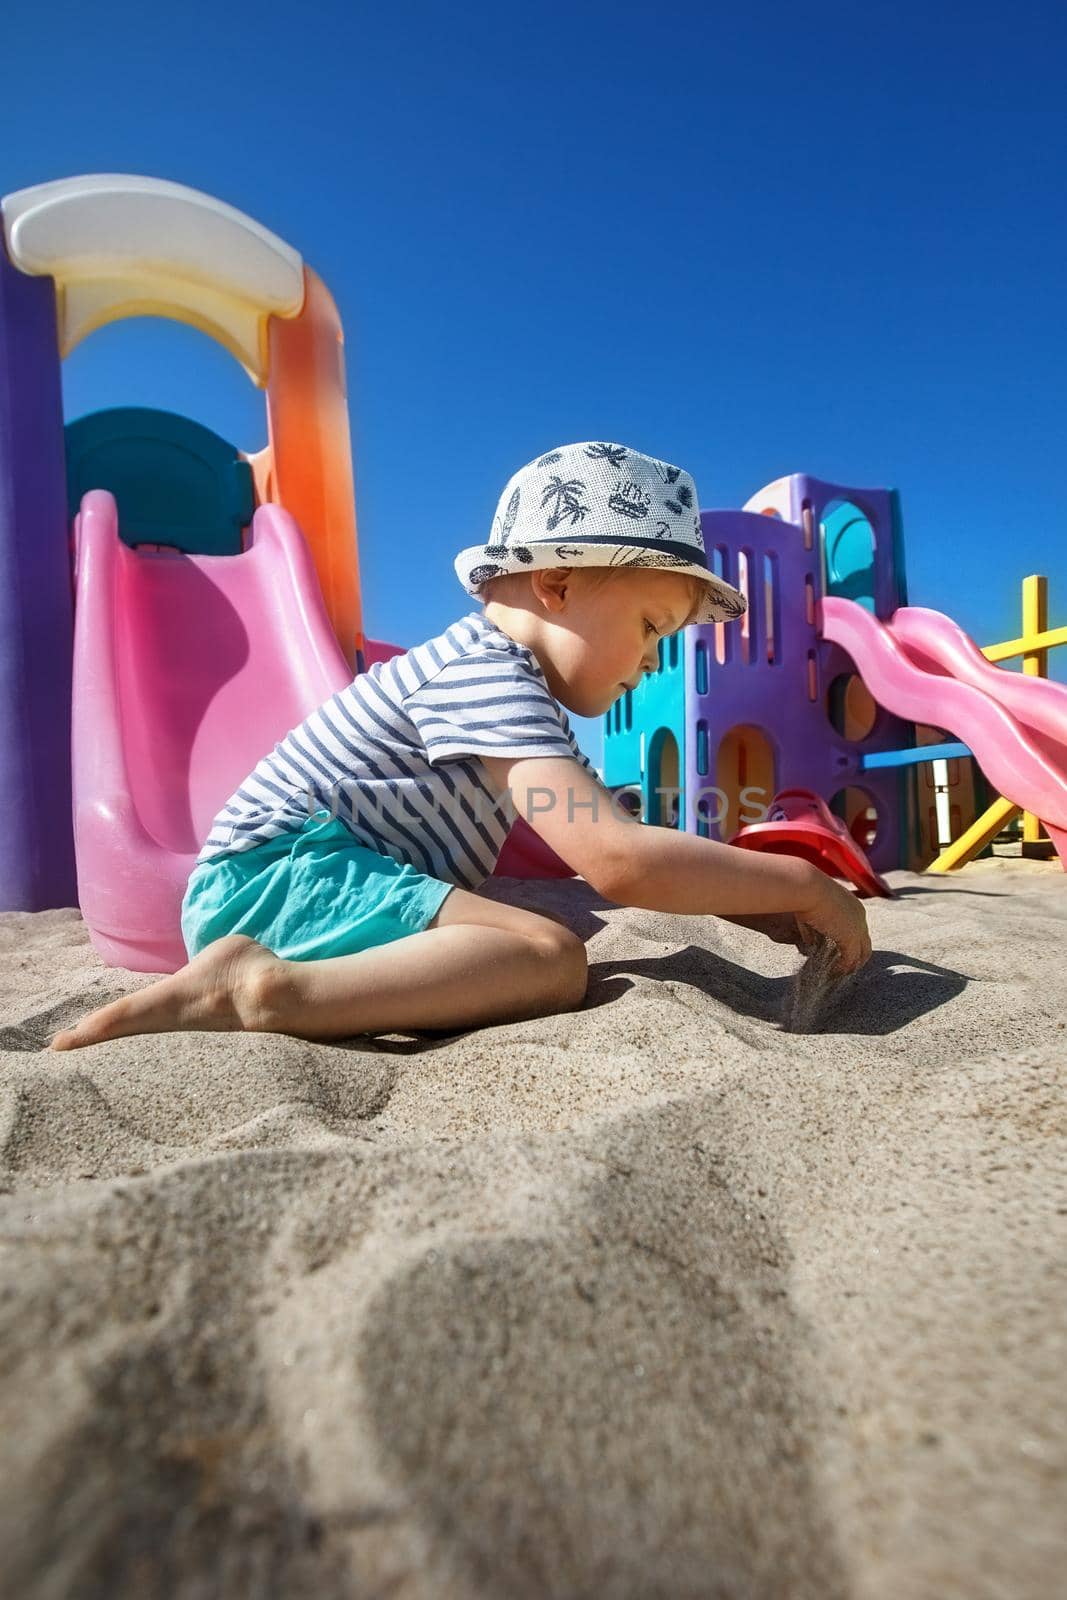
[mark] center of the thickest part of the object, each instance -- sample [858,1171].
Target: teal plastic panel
[655,708]
[175,482]
[849,544]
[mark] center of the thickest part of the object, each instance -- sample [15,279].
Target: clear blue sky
[752,239]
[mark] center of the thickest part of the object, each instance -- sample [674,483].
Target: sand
[652,1299]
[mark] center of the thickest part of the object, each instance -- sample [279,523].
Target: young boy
[337,892]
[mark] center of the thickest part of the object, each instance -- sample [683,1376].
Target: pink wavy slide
[186,669]
[921,665]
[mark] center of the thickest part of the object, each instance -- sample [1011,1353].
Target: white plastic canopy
[119,245]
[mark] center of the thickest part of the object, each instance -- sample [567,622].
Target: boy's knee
[569,955]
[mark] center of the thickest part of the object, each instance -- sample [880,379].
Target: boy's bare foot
[224,987]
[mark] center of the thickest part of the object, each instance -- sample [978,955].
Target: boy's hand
[840,915]
[835,911]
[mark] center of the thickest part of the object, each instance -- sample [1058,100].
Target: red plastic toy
[800,823]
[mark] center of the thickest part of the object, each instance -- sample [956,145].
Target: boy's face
[605,639]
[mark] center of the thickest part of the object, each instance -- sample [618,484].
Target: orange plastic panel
[311,450]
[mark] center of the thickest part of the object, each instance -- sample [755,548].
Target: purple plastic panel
[36,606]
[876,505]
[773,695]
[809,498]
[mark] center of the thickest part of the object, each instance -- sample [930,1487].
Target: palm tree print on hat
[565,493]
[613,453]
[550,460]
[685,496]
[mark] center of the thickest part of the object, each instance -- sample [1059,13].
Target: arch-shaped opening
[664,772]
[745,775]
[159,363]
[850,706]
[165,364]
[859,811]
[848,550]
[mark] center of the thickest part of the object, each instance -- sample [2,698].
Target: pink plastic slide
[922,666]
[186,670]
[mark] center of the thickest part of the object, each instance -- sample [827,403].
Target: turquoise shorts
[309,893]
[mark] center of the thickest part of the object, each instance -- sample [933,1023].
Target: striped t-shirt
[394,756]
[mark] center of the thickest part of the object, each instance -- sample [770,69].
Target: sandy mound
[650,1299]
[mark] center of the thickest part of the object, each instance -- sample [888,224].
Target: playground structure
[173,606]
[833,684]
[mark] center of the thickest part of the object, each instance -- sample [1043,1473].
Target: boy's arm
[659,869]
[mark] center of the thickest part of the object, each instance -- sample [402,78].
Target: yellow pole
[1043,641]
[1035,665]
[977,836]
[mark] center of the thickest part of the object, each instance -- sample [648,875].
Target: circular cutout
[852,709]
[860,815]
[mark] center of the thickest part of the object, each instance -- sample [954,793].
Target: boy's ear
[550,586]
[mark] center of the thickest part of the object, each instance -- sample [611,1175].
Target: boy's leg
[477,962]
[508,965]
